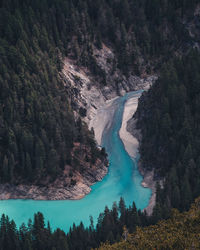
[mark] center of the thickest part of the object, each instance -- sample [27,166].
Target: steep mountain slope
[59,60]
[168,116]
[40,140]
[41,131]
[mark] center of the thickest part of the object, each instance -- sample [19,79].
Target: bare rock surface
[60,189]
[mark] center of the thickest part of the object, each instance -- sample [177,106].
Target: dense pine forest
[39,128]
[36,235]
[169,116]
[112,225]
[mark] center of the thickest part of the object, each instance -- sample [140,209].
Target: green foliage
[179,232]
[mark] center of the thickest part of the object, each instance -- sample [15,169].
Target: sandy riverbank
[148,182]
[131,143]
[103,119]
[130,137]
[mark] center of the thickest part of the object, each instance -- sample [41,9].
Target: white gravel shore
[103,119]
[131,144]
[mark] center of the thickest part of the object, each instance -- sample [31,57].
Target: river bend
[123,179]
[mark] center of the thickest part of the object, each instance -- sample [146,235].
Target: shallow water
[123,179]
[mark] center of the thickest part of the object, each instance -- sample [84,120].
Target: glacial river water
[123,179]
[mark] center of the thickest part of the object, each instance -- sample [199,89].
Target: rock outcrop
[87,91]
[60,189]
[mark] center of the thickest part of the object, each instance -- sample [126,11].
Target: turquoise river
[123,179]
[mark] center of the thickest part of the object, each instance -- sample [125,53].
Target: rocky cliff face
[87,91]
[62,188]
